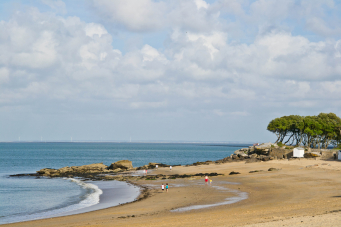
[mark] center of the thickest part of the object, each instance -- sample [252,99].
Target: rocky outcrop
[123,164]
[95,168]
[65,171]
[47,171]
[142,167]
[280,153]
[264,148]
[242,151]
[202,163]
[152,165]
[92,168]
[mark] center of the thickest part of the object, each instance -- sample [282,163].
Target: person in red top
[206,179]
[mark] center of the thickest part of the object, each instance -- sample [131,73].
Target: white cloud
[4,75]
[139,105]
[95,29]
[201,4]
[134,15]
[57,5]
[63,64]
[41,53]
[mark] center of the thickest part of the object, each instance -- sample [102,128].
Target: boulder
[256,171]
[234,173]
[266,146]
[237,152]
[242,151]
[312,155]
[265,158]
[253,156]
[243,155]
[234,156]
[123,164]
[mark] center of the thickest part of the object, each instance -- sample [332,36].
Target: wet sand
[300,193]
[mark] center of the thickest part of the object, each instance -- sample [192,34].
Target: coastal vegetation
[311,131]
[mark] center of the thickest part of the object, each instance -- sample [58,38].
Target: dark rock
[256,171]
[233,173]
[123,164]
[252,160]
[266,158]
[234,156]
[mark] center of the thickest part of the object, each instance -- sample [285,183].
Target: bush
[280,144]
[338,147]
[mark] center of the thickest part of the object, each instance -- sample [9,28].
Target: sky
[172,70]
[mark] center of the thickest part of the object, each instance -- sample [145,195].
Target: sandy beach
[300,193]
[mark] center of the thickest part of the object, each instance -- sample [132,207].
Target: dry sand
[295,195]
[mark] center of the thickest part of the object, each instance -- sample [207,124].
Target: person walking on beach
[163,187]
[210,181]
[167,187]
[156,166]
[170,167]
[206,180]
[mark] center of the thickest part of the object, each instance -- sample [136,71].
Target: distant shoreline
[137,142]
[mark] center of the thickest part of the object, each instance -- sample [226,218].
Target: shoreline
[304,189]
[110,194]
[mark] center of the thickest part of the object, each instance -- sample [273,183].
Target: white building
[298,152]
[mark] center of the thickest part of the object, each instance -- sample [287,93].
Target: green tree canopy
[311,131]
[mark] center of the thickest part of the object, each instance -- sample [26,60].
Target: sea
[29,198]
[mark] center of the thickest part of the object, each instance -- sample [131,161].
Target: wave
[90,198]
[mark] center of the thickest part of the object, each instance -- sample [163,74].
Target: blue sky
[189,70]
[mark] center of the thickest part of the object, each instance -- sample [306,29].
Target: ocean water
[27,198]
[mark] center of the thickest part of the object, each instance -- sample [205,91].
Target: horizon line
[126,141]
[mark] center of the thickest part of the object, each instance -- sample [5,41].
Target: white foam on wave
[90,199]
